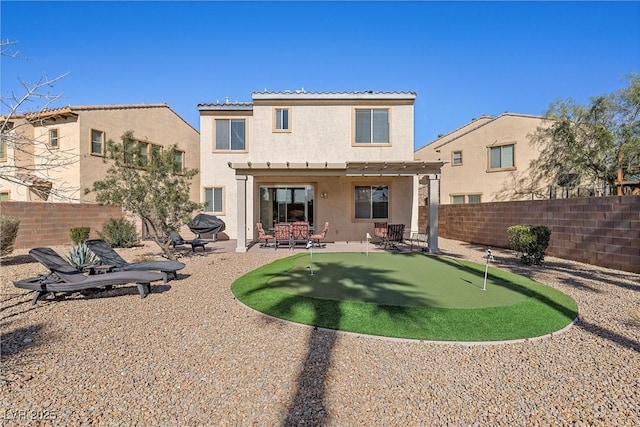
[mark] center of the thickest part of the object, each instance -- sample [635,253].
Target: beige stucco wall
[474,140]
[160,126]
[66,175]
[156,124]
[338,207]
[322,132]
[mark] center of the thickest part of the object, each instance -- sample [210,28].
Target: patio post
[241,194]
[434,201]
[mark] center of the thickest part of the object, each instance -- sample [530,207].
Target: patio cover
[361,168]
[394,168]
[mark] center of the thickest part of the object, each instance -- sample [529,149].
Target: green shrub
[8,232]
[79,234]
[530,241]
[119,233]
[80,256]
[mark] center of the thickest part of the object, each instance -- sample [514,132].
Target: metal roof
[303,94]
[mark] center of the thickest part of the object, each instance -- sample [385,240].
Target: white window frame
[177,153]
[278,119]
[453,158]
[102,142]
[460,199]
[56,138]
[372,126]
[229,122]
[491,148]
[211,208]
[371,216]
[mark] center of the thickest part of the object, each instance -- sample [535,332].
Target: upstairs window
[230,134]
[178,160]
[502,157]
[372,202]
[54,138]
[143,154]
[456,158]
[281,120]
[97,142]
[5,196]
[136,153]
[372,126]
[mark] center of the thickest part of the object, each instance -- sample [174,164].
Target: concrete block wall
[602,231]
[49,224]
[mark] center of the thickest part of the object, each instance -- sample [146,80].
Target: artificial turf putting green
[399,295]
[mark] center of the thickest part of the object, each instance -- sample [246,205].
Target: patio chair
[299,233]
[108,256]
[282,233]
[177,240]
[395,235]
[317,238]
[380,231]
[262,235]
[64,277]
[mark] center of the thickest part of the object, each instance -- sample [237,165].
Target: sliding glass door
[286,204]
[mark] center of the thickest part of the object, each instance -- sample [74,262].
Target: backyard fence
[49,224]
[603,231]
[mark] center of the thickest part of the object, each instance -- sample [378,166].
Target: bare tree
[29,158]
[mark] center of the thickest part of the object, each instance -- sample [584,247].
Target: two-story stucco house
[342,157]
[68,146]
[486,160]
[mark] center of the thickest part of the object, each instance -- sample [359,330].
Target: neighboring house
[74,139]
[486,160]
[340,157]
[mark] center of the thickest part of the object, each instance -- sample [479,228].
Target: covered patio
[329,193]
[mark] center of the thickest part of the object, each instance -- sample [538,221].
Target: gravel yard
[188,355]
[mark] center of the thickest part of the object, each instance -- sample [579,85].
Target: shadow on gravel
[18,260]
[567,272]
[610,335]
[307,408]
[18,340]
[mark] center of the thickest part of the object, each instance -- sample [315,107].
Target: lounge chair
[262,235]
[64,277]
[317,238]
[108,256]
[177,240]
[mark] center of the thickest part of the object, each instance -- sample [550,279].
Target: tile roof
[473,125]
[73,109]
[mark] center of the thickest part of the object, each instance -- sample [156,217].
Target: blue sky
[464,59]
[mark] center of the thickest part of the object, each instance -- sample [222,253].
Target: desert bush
[81,256]
[530,241]
[8,232]
[79,234]
[119,233]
